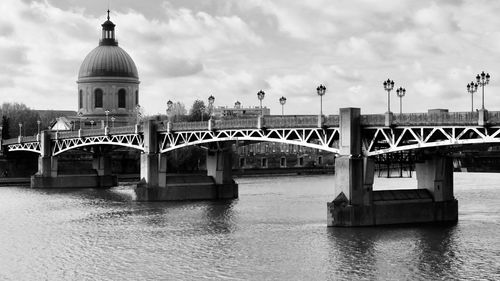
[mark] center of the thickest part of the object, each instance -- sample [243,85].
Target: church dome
[108,60]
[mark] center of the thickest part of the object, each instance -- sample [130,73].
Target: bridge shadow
[395,252]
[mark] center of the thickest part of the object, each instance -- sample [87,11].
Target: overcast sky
[186,50]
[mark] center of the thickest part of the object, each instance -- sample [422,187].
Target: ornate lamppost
[169,109]
[20,129]
[260,96]
[91,124]
[401,93]
[80,114]
[388,86]
[282,102]
[471,89]
[211,100]
[321,89]
[113,121]
[482,80]
[107,113]
[137,113]
[38,122]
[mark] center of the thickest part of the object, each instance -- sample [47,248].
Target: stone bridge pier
[48,171]
[357,204]
[156,185]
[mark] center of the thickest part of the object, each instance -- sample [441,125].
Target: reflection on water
[274,231]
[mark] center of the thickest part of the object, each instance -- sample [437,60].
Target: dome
[108,60]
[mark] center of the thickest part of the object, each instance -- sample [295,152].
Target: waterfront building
[108,83]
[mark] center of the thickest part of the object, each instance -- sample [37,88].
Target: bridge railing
[124,129]
[23,140]
[295,121]
[235,123]
[494,117]
[436,119]
[372,120]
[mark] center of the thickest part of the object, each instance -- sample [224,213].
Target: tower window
[80,99]
[121,98]
[98,98]
[136,97]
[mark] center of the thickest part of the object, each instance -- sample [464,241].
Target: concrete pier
[155,185]
[48,173]
[355,202]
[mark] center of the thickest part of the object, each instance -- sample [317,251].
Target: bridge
[354,138]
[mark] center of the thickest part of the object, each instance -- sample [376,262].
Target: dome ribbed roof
[108,60]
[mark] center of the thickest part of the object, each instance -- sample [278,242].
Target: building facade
[108,83]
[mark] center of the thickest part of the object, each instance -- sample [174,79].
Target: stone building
[108,83]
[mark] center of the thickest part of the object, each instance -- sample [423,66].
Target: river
[276,230]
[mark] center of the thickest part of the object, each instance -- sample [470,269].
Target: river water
[276,230]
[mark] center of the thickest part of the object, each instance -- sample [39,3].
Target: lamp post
[138,113]
[482,80]
[169,109]
[472,88]
[80,114]
[388,86]
[211,100]
[107,113]
[91,124]
[38,122]
[20,129]
[321,89]
[401,93]
[260,96]
[113,121]
[282,102]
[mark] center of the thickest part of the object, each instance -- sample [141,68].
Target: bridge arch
[134,141]
[318,138]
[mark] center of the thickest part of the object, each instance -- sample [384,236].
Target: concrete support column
[45,158]
[102,164]
[162,170]
[219,164]
[354,175]
[149,158]
[436,175]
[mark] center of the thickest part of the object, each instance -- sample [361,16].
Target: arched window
[121,98]
[98,98]
[136,97]
[80,99]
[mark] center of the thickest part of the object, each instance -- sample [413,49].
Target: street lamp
[91,124]
[482,80]
[20,129]
[472,88]
[113,121]
[80,114]
[107,113]
[401,93]
[169,107]
[321,92]
[260,96]
[211,100]
[38,122]
[138,113]
[388,86]
[282,102]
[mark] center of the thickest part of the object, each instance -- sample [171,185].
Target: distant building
[239,111]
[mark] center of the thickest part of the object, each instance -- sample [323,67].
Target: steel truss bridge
[405,132]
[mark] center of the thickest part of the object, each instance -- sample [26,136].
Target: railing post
[389,118]
[210,124]
[482,117]
[80,133]
[136,128]
[169,127]
[320,121]
[260,122]
[106,130]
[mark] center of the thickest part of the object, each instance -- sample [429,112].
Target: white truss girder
[324,139]
[127,140]
[378,140]
[25,146]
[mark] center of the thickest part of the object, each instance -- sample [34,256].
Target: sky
[186,50]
